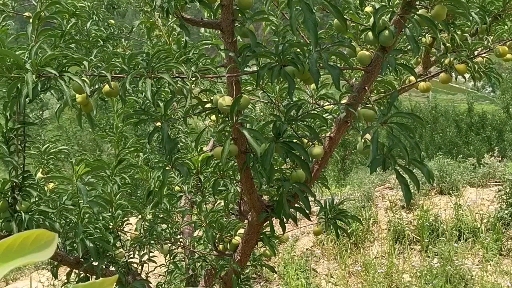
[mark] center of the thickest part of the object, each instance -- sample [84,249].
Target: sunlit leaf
[25,248]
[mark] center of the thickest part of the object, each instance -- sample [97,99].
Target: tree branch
[251,200]
[426,60]
[75,263]
[201,23]
[423,72]
[344,122]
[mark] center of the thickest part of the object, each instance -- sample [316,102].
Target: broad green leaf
[26,248]
[101,283]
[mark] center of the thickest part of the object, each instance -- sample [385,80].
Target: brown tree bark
[251,200]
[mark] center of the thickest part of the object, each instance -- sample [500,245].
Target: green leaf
[79,118]
[407,68]
[302,211]
[249,135]
[225,150]
[374,150]
[26,248]
[398,142]
[335,72]
[313,68]
[425,170]
[269,267]
[310,22]
[148,93]
[293,146]
[291,83]
[411,175]
[408,115]
[268,154]
[90,120]
[293,21]
[413,41]
[338,14]
[13,56]
[404,185]
[101,283]
[430,24]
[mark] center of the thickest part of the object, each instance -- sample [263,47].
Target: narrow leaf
[404,185]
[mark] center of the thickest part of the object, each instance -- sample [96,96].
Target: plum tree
[164,250]
[412,80]
[284,238]
[233,150]
[217,153]
[23,206]
[245,101]
[120,254]
[370,39]
[233,244]
[267,253]
[340,26]
[87,107]
[182,66]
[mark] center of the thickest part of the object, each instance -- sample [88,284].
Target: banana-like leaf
[100,283]
[26,248]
